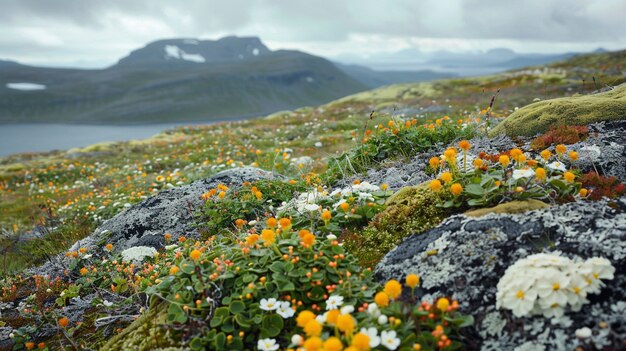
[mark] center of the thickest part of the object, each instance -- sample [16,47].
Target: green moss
[577,110]
[146,333]
[410,210]
[509,207]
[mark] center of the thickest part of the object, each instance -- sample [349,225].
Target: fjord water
[21,138]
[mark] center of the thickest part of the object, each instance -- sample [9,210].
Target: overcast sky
[94,33]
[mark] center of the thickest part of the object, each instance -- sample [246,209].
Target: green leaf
[474,189]
[176,314]
[287,287]
[243,321]
[187,267]
[237,307]
[196,344]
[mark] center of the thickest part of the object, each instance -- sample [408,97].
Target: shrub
[562,135]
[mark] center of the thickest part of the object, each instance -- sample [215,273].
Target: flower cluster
[491,179]
[546,284]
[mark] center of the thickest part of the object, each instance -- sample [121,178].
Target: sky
[94,33]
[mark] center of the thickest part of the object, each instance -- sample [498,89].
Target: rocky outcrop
[466,257]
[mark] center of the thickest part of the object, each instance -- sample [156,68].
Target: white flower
[519,297]
[372,333]
[321,318]
[311,207]
[557,166]
[523,173]
[347,309]
[107,303]
[373,310]
[331,237]
[138,253]
[269,304]
[267,345]
[284,309]
[382,319]
[87,256]
[252,222]
[296,340]
[583,333]
[389,339]
[552,288]
[334,302]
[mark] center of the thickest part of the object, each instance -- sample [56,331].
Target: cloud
[102,31]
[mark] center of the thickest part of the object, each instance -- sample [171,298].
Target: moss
[410,210]
[577,110]
[510,208]
[145,333]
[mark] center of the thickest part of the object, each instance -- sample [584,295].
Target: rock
[604,150]
[509,207]
[576,110]
[170,211]
[465,258]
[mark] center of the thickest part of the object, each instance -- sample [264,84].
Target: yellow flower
[433,162]
[304,317]
[573,155]
[109,247]
[504,160]
[478,163]
[546,154]
[313,328]
[540,173]
[382,299]
[333,344]
[313,344]
[456,189]
[446,177]
[345,323]
[344,206]
[393,289]
[361,342]
[569,177]
[412,280]
[583,192]
[443,304]
[195,255]
[308,240]
[174,270]
[435,185]
[464,144]
[384,186]
[560,149]
[268,236]
[84,271]
[252,239]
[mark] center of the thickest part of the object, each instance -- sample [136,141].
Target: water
[20,138]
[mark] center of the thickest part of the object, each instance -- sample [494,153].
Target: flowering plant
[549,283]
[493,179]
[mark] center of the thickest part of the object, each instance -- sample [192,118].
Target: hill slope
[175,80]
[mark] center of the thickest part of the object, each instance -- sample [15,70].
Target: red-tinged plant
[562,135]
[602,186]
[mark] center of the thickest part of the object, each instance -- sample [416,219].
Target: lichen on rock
[478,251]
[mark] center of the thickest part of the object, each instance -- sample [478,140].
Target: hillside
[335,225]
[176,80]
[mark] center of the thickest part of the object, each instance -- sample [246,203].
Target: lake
[19,138]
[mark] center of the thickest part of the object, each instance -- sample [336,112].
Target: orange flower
[41,345]
[361,342]
[284,223]
[331,317]
[573,155]
[569,177]
[333,344]
[312,344]
[434,162]
[450,155]
[560,149]
[195,255]
[109,247]
[240,223]
[382,299]
[344,207]
[412,280]
[268,236]
[272,222]
[308,240]
[546,154]
[504,160]
[30,345]
[478,163]
[456,189]
[446,177]
[326,216]
[540,173]
[174,270]
[64,322]
[84,271]
[583,192]
[167,236]
[435,185]
[304,317]
[252,239]
[345,323]
[393,289]
[464,144]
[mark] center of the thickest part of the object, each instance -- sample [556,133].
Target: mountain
[375,79]
[457,63]
[174,80]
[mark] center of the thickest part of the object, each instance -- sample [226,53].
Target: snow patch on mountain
[174,52]
[25,86]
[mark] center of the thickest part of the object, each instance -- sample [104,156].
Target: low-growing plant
[486,183]
[600,187]
[566,135]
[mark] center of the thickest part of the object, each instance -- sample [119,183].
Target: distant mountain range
[459,63]
[185,80]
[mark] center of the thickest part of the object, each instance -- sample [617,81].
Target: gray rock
[170,211]
[473,254]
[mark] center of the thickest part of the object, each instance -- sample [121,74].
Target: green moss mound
[509,208]
[410,210]
[577,110]
[146,333]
